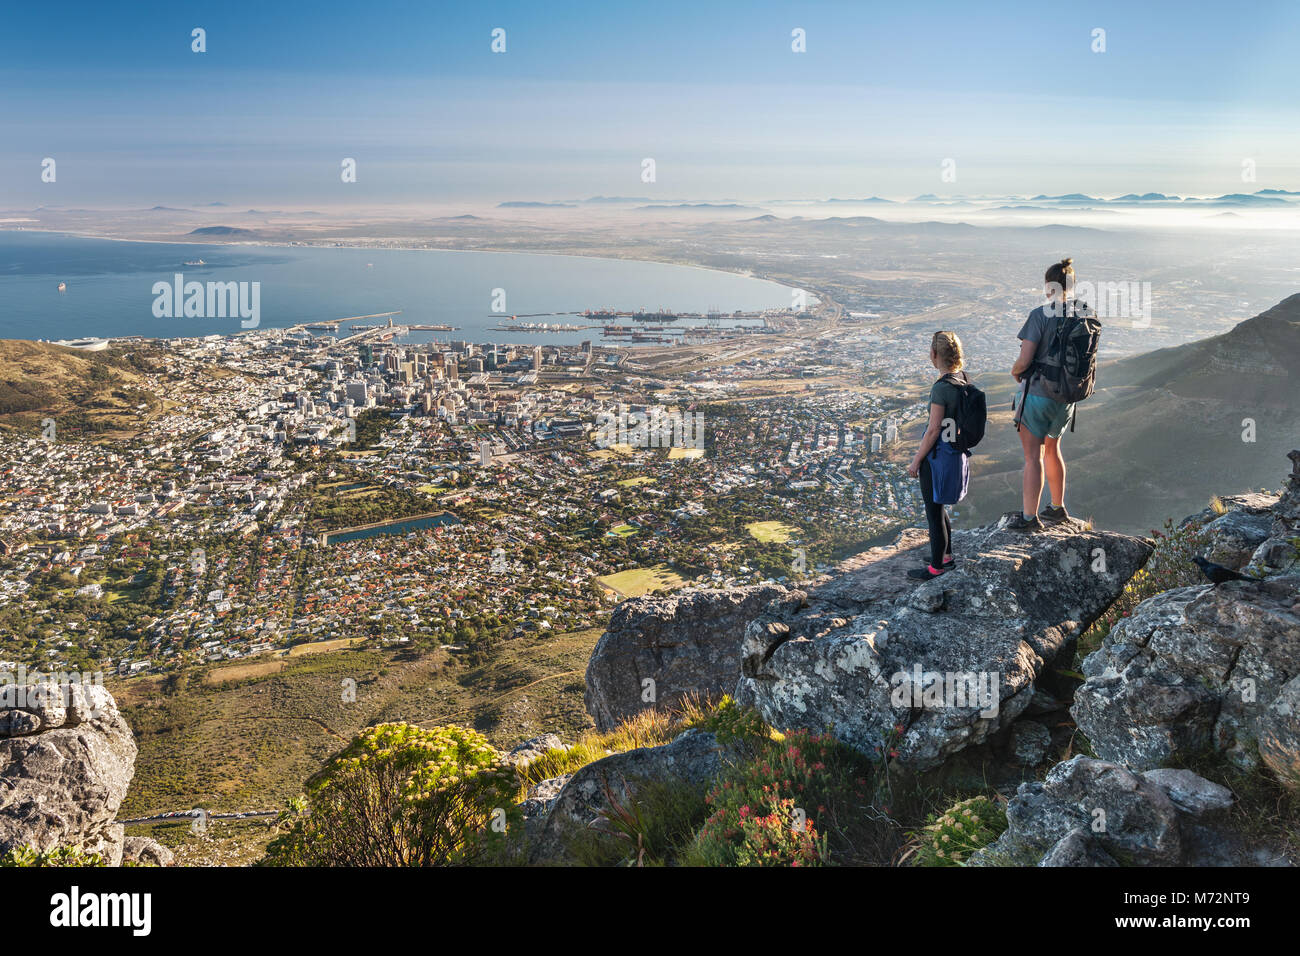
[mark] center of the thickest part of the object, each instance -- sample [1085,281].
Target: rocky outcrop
[533,748]
[1089,812]
[66,759]
[1233,537]
[693,759]
[659,652]
[950,661]
[1278,555]
[1208,667]
[146,852]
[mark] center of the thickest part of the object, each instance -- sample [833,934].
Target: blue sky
[712,91]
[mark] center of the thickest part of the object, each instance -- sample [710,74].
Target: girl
[945,355]
[1040,418]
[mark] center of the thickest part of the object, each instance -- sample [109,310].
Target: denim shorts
[1044,417]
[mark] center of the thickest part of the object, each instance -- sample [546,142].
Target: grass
[649,728]
[1265,812]
[638,581]
[771,531]
[249,741]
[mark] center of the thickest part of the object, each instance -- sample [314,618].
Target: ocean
[110,288]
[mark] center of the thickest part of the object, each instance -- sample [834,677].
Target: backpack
[949,473]
[971,414]
[1068,370]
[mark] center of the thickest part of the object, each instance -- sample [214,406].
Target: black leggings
[936,516]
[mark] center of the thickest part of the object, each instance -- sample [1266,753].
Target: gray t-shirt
[1038,328]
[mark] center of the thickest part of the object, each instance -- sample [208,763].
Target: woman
[945,355]
[1041,419]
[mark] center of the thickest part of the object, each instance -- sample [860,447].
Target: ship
[196,262]
[63,287]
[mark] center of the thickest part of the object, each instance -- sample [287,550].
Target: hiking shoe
[1021,523]
[950,563]
[1054,515]
[923,574]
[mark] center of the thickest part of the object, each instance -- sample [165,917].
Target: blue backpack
[949,473]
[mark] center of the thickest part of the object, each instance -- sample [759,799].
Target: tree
[400,795]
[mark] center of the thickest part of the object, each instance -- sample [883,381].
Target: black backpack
[1068,370]
[972,413]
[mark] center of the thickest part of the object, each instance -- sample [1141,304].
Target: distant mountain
[1069,197]
[1147,197]
[523,204]
[618,199]
[1246,199]
[860,202]
[165,209]
[221,231]
[1276,192]
[701,207]
[1164,431]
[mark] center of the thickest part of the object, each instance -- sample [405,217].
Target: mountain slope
[1165,430]
[91,392]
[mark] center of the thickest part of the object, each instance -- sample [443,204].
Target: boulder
[1198,668]
[146,851]
[1084,811]
[1089,812]
[688,645]
[1189,792]
[1279,553]
[693,758]
[1029,742]
[66,759]
[1077,848]
[1232,538]
[533,748]
[932,667]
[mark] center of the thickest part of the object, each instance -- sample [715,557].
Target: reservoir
[398,526]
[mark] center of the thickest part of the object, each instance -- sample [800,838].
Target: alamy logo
[1110,300]
[942,689]
[74,908]
[652,428]
[212,300]
[35,691]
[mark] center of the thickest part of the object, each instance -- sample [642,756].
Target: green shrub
[792,802]
[401,795]
[950,839]
[783,836]
[727,720]
[647,823]
[59,856]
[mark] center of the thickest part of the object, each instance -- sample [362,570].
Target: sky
[1013,95]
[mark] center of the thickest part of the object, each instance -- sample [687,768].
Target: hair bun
[1067,262]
